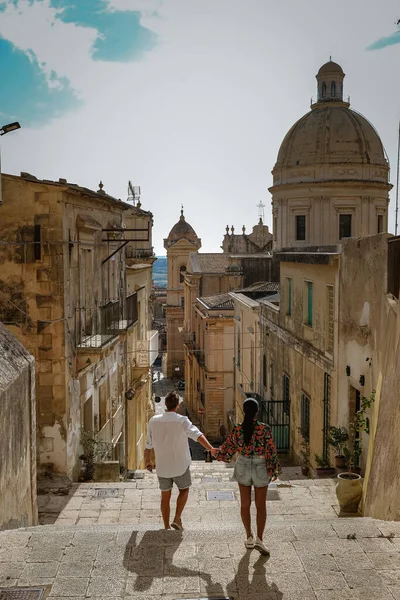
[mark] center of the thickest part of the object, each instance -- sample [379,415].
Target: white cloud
[35,27]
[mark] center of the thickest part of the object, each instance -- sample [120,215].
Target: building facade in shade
[76,286]
[181,241]
[331,176]
[18,506]
[209,364]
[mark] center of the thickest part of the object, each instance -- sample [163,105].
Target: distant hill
[160,272]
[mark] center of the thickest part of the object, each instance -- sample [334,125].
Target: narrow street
[107,542]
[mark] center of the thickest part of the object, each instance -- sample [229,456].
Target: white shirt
[168,434]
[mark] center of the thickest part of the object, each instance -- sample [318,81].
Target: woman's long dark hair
[250,409]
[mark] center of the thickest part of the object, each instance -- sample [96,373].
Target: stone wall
[370,346]
[381,488]
[18,505]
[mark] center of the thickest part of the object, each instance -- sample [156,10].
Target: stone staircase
[106,541]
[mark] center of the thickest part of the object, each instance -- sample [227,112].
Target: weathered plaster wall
[370,329]
[361,298]
[18,504]
[382,479]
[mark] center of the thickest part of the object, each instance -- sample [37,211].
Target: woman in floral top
[257,464]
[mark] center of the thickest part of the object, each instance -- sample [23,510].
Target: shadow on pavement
[253,586]
[147,559]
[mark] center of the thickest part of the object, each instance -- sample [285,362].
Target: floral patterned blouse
[261,443]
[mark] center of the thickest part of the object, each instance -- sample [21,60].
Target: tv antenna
[133,193]
[261,207]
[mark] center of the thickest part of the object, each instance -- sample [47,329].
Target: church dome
[331,177]
[331,141]
[330,67]
[331,134]
[182,230]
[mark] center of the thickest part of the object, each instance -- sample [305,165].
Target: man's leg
[165,507]
[180,505]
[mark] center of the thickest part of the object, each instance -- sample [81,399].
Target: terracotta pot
[340,462]
[349,491]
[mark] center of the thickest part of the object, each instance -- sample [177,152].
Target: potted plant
[305,454]
[349,486]
[96,458]
[324,468]
[337,437]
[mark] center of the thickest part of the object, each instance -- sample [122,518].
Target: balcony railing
[200,355]
[113,428]
[95,327]
[147,350]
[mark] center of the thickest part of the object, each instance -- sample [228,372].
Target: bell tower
[181,241]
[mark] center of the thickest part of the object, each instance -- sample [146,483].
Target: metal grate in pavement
[106,493]
[21,593]
[220,495]
[273,495]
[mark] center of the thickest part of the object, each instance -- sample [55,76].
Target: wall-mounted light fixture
[362,380]
[348,371]
[129,394]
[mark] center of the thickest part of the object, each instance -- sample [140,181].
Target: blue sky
[120,38]
[29,95]
[384,42]
[36,94]
[190,99]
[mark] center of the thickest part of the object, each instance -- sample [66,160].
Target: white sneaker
[249,543]
[261,547]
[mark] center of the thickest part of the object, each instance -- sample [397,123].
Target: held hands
[214,452]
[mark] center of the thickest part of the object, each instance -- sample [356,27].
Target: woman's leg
[261,506]
[245,503]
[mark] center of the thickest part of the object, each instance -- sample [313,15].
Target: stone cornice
[330,183]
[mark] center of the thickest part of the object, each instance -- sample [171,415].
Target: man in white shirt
[168,434]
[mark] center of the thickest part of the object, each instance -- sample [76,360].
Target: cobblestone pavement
[107,543]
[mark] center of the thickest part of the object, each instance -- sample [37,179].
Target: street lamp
[10,127]
[3,130]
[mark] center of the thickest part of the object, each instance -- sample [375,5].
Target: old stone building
[330,183]
[209,277]
[76,281]
[181,241]
[18,505]
[258,241]
[330,180]
[208,362]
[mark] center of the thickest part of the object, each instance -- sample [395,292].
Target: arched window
[323,90]
[333,89]
[182,272]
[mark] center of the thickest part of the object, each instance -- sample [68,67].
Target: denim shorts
[251,470]
[181,481]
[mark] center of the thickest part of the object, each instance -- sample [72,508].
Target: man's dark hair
[171,400]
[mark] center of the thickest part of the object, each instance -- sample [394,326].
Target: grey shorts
[251,470]
[182,481]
